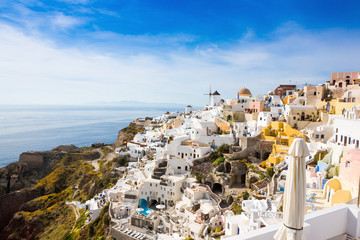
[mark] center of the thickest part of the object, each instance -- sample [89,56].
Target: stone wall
[40,161]
[255,149]
[31,160]
[266,145]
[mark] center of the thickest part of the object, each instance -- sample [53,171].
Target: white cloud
[62,21]
[35,70]
[83,2]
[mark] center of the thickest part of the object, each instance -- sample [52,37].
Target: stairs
[160,170]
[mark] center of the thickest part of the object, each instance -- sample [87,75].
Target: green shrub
[199,177]
[218,161]
[245,195]
[270,171]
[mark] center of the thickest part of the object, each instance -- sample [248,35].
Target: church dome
[244,92]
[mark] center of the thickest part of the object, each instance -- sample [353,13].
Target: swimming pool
[143,205]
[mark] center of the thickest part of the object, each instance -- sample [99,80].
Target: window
[337,130]
[150,184]
[317,136]
[179,167]
[186,168]
[322,136]
[260,118]
[347,164]
[314,93]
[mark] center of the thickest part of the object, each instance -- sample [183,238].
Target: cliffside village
[173,190]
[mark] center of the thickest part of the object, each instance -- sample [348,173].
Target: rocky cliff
[127,134]
[52,178]
[11,203]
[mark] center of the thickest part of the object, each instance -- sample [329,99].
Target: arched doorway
[243,178]
[217,188]
[153,203]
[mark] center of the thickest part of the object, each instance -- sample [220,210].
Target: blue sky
[84,51]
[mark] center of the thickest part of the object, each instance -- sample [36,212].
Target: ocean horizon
[41,128]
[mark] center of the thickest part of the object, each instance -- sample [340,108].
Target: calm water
[24,128]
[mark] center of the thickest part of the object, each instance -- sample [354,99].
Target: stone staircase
[160,170]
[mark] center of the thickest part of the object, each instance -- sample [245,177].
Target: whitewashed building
[347,132]
[188,109]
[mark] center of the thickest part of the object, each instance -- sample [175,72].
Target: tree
[270,171]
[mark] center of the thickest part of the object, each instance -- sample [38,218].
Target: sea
[40,128]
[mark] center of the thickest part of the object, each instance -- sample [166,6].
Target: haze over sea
[39,128]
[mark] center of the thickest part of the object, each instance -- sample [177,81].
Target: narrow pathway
[77,215]
[95,162]
[76,211]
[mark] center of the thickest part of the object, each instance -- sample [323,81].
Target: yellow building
[222,125]
[336,106]
[334,192]
[233,116]
[289,99]
[283,136]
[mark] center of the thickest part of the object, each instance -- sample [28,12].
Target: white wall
[320,225]
[349,129]
[177,166]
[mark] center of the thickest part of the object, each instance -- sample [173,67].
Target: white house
[190,149]
[162,191]
[347,132]
[263,120]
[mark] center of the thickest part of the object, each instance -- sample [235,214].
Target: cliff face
[31,162]
[11,203]
[127,134]
[52,178]
[31,167]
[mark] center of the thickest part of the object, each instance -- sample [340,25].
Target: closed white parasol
[294,194]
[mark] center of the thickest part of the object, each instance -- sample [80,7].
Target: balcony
[332,223]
